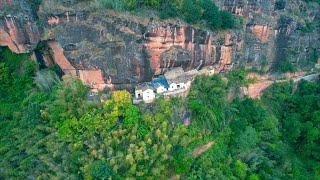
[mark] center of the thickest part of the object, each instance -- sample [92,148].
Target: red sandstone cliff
[92,77]
[128,50]
[17,29]
[11,37]
[202,51]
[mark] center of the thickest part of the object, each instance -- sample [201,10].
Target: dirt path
[200,150]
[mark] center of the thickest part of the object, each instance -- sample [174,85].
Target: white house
[178,79]
[180,82]
[148,95]
[145,92]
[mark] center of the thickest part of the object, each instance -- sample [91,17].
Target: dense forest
[50,130]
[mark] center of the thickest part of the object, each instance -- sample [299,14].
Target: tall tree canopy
[49,130]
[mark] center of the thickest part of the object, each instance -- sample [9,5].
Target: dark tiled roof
[144,86]
[160,81]
[154,84]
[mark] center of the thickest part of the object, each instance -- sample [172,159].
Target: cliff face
[18,29]
[121,50]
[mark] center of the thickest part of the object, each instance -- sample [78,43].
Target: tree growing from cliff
[192,11]
[284,66]
[227,20]
[211,14]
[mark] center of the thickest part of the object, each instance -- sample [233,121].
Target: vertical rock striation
[18,29]
[122,50]
[172,46]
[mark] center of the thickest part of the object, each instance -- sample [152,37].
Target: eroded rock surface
[18,29]
[122,50]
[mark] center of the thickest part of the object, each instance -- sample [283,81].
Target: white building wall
[172,87]
[148,95]
[181,85]
[138,94]
[161,89]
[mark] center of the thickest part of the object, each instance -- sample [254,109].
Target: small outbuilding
[145,92]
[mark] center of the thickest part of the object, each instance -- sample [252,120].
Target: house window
[178,86]
[139,95]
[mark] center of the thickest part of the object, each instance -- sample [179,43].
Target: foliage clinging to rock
[192,11]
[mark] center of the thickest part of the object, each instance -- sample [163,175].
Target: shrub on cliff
[211,14]
[192,11]
[112,4]
[227,20]
[16,78]
[284,66]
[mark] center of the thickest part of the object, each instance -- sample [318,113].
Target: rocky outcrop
[19,36]
[92,77]
[261,31]
[128,51]
[60,59]
[18,29]
[255,90]
[172,46]
[123,50]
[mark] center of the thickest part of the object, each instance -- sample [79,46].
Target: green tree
[211,14]
[132,116]
[4,76]
[240,169]
[99,170]
[227,20]
[247,140]
[207,101]
[191,11]
[130,4]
